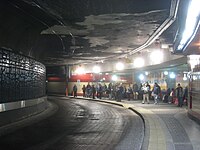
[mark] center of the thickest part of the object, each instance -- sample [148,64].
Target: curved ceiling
[80,31]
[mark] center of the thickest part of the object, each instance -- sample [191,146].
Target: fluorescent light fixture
[120,66]
[164,46]
[191,24]
[96,69]
[138,62]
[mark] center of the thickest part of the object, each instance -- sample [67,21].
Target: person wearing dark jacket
[129,92]
[156,93]
[84,89]
[75,90]
[93,91]
[179,95]
[135,91]
[185,95]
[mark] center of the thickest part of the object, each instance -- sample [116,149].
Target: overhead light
[114,78]
[156,57]
[120,66]
[164,46]
[96,69]
[80,70]
[172,75]
[141,77]
[191,24]
[138,62]
[166,73]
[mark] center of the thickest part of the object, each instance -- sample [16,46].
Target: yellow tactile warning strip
[157,139]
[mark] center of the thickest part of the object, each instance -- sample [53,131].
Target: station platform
[167,127]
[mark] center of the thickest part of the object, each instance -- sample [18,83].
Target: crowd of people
[112,91]
[144,92]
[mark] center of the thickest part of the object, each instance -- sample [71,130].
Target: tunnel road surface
[80,125]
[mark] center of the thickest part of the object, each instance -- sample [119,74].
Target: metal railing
[21,77]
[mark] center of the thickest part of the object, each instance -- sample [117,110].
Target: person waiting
[129,92]
[179,95]
[135,91]
[156,93]
[75,90]
[146,89]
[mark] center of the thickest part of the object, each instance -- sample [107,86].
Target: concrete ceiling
[64,32]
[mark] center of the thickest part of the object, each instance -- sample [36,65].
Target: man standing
[179,95]
[156,93]
[93,91]
[83,89]
[135,91]
[146,88]
[129,92]
[75,90]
